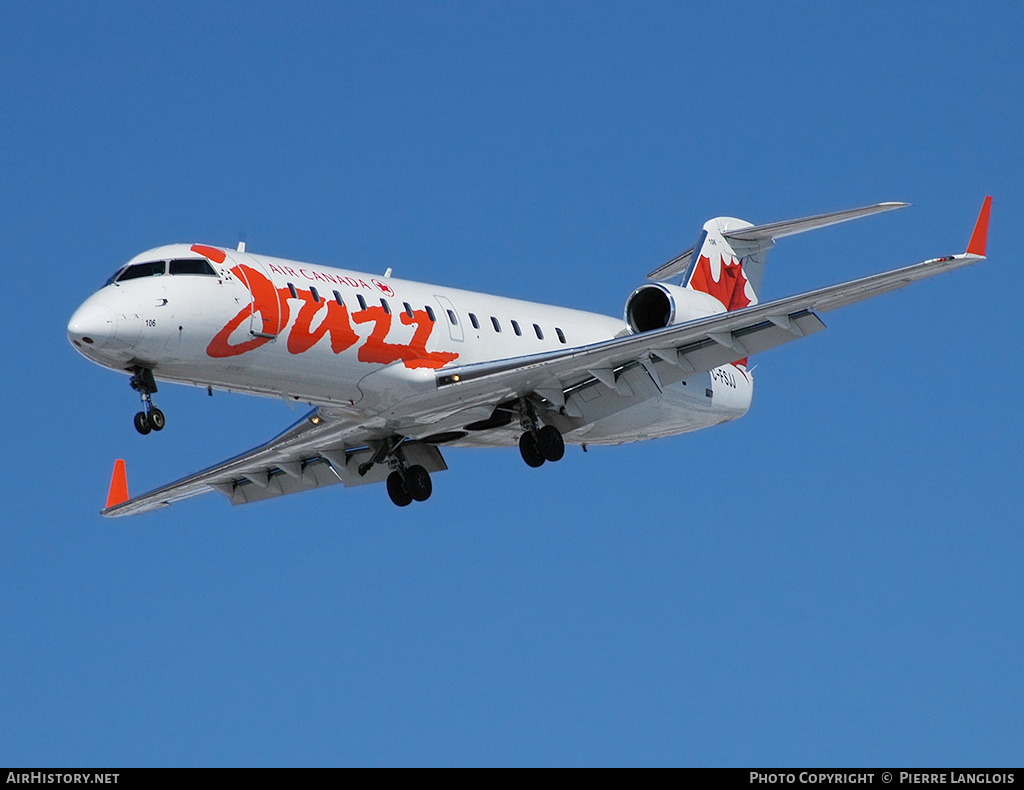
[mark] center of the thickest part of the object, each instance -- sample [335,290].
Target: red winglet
[980,235]
[118,485]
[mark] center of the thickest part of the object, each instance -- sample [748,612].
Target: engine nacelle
[657,305]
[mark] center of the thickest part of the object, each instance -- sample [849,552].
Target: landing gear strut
[538,443]
[405,483]
[150,418]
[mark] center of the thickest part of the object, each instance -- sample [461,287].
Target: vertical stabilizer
[727,269]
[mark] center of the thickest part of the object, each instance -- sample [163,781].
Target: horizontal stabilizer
[775,230]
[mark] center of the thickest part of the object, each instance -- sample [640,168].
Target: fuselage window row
[515,326]
[201,266]
[337,297]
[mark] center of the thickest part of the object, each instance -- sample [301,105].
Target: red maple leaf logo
[384,288]
[730,287]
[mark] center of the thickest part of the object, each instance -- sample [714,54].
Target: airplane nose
[92,325]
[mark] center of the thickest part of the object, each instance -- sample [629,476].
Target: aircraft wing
[322,448]
[695,346]
[692,347]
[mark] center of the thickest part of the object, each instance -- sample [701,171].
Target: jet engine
[657,305]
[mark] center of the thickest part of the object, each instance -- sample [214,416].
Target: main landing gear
[538,443]
[405,483]
[151,418]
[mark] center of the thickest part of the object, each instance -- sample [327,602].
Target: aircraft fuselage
[364,344]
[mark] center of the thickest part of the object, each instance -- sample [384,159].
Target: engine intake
[657,305]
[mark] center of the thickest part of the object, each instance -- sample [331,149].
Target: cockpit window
[155,268]
[142,270]
[112,278]
[192,266]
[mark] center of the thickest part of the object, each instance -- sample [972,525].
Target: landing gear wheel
[397,491]
[417,482]
[142,423]
[530,450]
[550,443]
[157,420]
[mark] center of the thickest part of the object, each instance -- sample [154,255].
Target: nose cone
[93,324]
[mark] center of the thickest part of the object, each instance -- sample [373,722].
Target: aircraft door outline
[269,297]
[452,318]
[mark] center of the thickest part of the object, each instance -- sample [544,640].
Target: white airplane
[395,369]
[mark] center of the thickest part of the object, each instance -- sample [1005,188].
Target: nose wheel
[150,418]
[154,420]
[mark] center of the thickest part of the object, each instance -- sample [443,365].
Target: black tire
[142,423]
[157,421]
[417,481]
[550,443]
[530,451]
[397,491]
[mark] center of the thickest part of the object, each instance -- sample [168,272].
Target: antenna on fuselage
[388,272]
[241,246]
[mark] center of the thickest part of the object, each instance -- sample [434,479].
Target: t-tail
[728,260]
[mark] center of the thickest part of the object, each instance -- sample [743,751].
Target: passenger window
[386,306]
[408,309]
[430,314]
[536,328]
[473,321]
[134,272]
[495,324]
[362,301]
[451,317]
[316,294]
[561,337]
[294,293]
[191,266]
[338,299]
[516,329]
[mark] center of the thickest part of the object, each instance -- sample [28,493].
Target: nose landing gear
[151,418]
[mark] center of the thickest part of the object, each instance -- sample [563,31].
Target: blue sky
[834,579]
